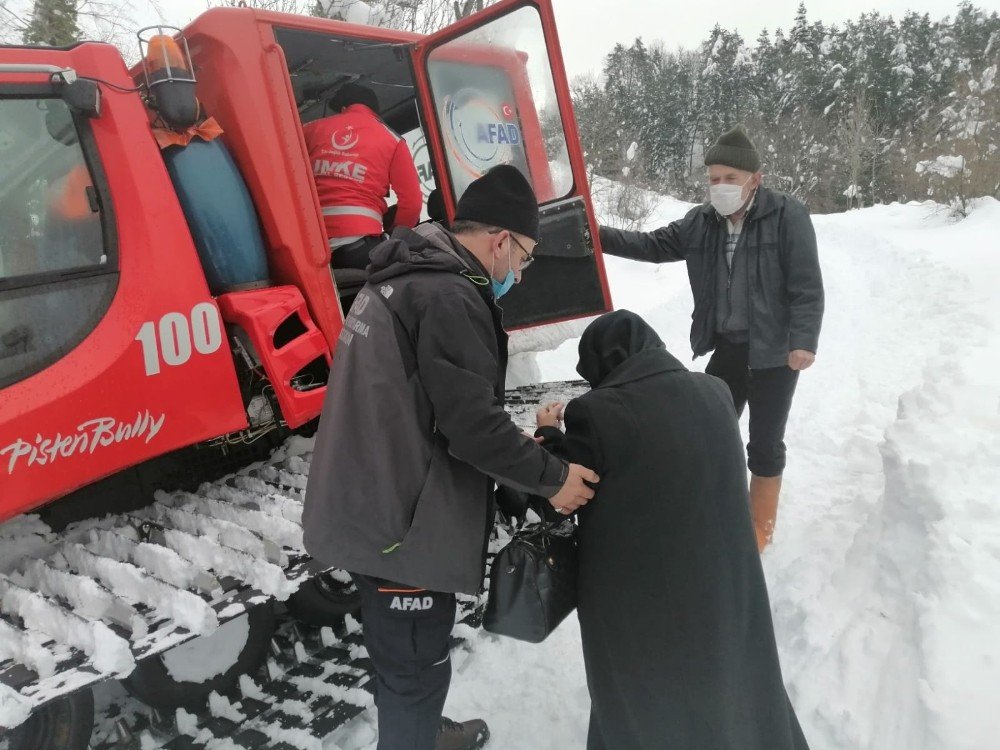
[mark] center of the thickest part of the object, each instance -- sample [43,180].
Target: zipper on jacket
[729,277]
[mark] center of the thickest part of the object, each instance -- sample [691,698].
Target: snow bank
[941,547]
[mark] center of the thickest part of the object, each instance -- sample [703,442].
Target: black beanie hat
[501,198]
[353,93]
[734,149]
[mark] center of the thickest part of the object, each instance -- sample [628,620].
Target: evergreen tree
[727,81]
[629,86]
[842,115]
[53,23]
[679,123]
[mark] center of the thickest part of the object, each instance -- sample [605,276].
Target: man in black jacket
[412,437]
[758,299]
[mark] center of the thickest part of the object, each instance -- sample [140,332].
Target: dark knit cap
[501,198]
[353,93]
[734,149]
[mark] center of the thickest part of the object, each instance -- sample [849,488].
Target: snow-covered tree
[841,114]
[53,22]
[67,21]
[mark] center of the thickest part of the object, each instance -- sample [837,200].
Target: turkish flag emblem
[508,111]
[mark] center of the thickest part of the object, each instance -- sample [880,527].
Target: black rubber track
[152,683]
[64,724]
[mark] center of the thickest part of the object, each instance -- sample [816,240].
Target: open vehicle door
[493,90]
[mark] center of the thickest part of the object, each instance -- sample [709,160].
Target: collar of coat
[426,247]
[764,203]
[642,365]
[430,247]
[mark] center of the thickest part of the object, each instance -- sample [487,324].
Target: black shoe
[466,735]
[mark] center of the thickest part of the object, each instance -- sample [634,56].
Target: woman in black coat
[676,626]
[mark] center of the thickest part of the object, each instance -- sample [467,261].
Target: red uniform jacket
[355,158]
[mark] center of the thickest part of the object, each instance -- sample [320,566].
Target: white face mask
[727,199]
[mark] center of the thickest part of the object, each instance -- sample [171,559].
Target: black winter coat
[785,283]
[413,431]
[677,635]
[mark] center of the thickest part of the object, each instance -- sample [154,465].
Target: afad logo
[421,160]
[499,133]
[477,132]
[344,140]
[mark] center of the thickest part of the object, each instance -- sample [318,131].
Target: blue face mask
[500,288]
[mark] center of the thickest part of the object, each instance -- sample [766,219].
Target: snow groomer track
[83,606]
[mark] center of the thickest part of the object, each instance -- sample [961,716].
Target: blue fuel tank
[220,215]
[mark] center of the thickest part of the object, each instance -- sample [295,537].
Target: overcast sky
[588,29]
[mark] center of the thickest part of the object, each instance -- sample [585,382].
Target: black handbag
[533,582]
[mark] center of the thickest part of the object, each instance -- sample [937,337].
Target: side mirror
[80,96]
[83,96]
[59,123]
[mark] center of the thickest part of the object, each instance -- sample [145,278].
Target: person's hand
[800,359]
[574,493]
[549,415]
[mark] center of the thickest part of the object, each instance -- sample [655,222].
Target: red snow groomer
[167,317]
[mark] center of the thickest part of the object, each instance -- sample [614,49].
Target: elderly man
[413,434]
[758,299]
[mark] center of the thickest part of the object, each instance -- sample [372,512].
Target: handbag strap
[539,535]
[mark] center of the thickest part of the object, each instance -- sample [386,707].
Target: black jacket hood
[620,347]
[426,247]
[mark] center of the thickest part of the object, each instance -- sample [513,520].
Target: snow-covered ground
[884,574]
[885,571]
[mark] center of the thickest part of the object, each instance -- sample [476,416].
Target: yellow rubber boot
[764,507]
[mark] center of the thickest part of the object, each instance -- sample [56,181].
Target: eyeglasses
[528,257]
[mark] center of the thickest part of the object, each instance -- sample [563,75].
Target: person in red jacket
[355,158]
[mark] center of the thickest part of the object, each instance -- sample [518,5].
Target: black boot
[466,735]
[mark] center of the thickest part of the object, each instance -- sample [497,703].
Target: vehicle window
[49,215]
[320,63]
[496,102]
[52,248]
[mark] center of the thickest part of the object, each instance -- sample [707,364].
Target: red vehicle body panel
[261,313]
[104,378]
